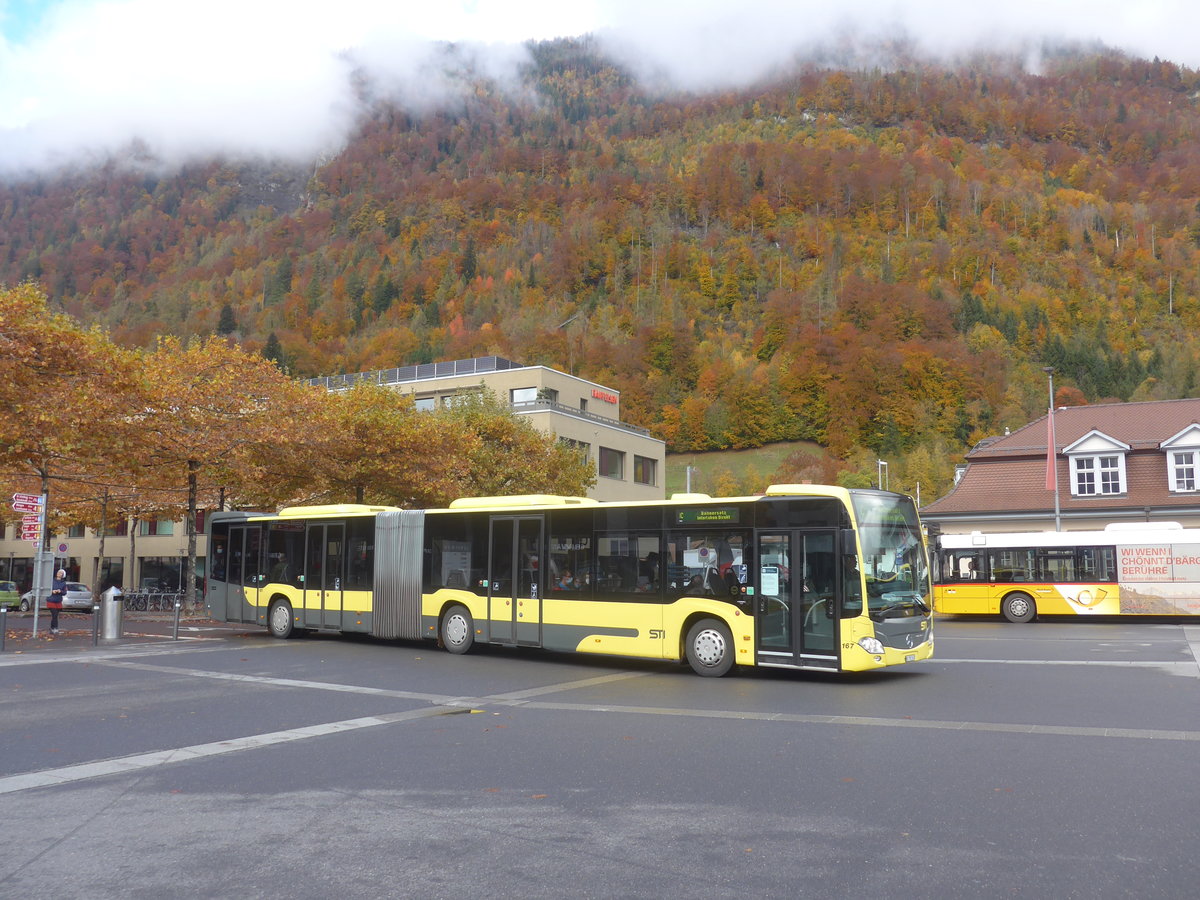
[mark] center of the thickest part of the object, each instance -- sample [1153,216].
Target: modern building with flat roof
[629,463]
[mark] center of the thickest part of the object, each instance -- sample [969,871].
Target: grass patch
[754,469]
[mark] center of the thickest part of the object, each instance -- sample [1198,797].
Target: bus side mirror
[849,546]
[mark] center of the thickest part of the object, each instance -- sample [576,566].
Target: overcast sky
[271,76]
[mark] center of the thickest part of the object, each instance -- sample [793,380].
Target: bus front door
[515,580]
[796,613]
[324,565]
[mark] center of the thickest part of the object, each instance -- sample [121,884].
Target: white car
[79,596]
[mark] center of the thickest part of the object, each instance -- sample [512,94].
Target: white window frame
[1099,475]
[1183,471]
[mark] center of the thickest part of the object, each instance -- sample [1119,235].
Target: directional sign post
[29,503]
[32,527]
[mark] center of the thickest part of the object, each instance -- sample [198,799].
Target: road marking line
[447,705]
[193,645]
[1177,667]
[126,764]
[273,681]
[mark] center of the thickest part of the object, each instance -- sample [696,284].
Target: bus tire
[280,621]
[709,648]
[1018,607]
[457,630]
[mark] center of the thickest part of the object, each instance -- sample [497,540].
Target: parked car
[9,598]
[79,596]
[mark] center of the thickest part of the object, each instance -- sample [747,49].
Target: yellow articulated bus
[1149,569]
[800,577]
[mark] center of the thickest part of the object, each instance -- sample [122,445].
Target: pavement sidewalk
[76,631]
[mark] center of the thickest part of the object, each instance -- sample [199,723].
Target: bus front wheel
[710,648]
[458,631]
[279,620]
[1018,608]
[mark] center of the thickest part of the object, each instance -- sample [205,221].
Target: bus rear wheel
[1018,608]
[280,621]
[710,648]
[458,631]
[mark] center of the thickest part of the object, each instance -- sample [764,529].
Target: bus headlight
[872,645]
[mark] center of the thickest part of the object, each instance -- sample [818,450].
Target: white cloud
[272,76]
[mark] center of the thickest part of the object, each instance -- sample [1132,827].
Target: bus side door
[324,565]
[516,580]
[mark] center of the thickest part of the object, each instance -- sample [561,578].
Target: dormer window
[1097,465]
[1183,459]
[1183,470]
[1097,475]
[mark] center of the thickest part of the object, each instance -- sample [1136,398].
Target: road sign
[24,506]
[31,520]
[28,498]
[31,534]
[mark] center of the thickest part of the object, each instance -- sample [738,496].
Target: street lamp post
[1052,451]
[882,481]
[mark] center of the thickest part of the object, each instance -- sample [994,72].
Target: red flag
[1051,479]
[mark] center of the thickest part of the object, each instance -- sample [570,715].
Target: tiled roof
[1008,474]
[1140,425]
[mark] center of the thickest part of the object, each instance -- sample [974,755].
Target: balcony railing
[423,372]
[482,365]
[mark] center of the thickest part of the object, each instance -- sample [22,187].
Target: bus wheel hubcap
[709,647]
[456,629]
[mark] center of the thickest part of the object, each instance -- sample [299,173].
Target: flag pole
[1052,452]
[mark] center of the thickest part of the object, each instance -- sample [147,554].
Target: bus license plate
[910,657]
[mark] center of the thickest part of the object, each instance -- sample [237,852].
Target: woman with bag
[55,601]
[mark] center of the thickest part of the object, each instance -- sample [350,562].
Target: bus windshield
[893,555]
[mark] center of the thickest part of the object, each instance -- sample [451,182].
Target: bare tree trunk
[190,581]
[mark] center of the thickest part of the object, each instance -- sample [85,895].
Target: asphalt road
[1055,759]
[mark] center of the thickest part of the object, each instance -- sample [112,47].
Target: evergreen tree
[227,324]
[273,351]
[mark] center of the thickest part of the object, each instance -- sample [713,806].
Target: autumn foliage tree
[212,417]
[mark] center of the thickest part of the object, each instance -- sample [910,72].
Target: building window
[156,527]
[644,470]
[612,463]
[424,404]
[1183,470]
[1093,476]
[120,528]
[523,395]
[75,531]
[583,448]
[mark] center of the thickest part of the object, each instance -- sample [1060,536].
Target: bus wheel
[710,648]
[458,631]
[1018,608]
[279,620]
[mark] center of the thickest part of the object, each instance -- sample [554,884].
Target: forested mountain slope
[877,260]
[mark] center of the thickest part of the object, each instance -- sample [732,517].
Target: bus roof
[1141,533]
[334,509]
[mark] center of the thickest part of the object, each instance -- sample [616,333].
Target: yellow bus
[1150,569]
[776,580]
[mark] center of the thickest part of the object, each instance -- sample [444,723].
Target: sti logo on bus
[657,634]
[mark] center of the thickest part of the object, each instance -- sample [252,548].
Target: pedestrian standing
[55,601]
